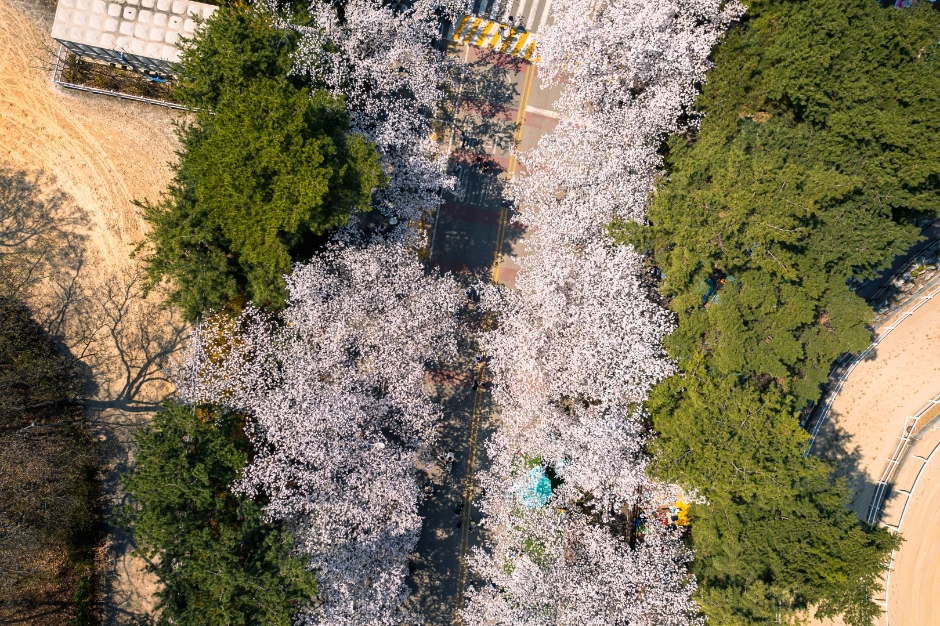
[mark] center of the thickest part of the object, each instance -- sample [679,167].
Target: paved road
[499,106]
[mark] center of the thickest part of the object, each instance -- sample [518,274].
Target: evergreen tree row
[818,152]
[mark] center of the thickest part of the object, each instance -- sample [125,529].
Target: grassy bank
[49,527]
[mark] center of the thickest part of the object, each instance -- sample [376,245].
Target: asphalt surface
[499,106]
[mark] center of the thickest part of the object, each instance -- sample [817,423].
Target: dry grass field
[74,162]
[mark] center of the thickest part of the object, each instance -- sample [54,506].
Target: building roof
[145,28]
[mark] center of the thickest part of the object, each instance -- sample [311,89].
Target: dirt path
[914,505]
[84,158]
[898,378]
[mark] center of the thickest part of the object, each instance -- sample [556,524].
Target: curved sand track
[102,153]
[896,379]
[914,572]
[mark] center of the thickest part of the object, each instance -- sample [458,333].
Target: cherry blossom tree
[577,348]
[333,388]
[554,567]
[577,345]
[381,58]
[628,71]
[579,325]
[574,354]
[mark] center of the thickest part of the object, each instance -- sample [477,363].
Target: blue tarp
[534,489]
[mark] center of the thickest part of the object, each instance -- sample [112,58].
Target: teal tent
[534,489]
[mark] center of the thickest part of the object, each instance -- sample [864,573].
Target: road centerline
[476,415]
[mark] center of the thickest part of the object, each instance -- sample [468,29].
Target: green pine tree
[818,150]
[266,169]
[219,561]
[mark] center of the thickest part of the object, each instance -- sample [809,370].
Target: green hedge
[818,151]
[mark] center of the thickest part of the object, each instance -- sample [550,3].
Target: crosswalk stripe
[545,12]
[508,42]
[486,31]
[497,39]
[530,14]
[480,25]
[461,27]
[529,51]
[471,28]
[483,33]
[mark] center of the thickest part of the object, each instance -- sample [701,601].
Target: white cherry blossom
[556,567]
[334,392]
[577,346]
[381,59]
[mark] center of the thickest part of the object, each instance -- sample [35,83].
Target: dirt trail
[898,378]
[95,154]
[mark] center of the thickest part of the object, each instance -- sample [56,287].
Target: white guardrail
[897,529]
[855,359]
[910,429]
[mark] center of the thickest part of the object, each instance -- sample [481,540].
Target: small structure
[142,34]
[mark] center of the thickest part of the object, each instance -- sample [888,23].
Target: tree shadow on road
[486,115]
[434,565]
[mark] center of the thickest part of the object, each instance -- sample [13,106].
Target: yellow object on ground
[490,35]
[683,514]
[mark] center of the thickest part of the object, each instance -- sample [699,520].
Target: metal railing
[897,529]
[894,462]
[57,71]
[928,251]
[851,361]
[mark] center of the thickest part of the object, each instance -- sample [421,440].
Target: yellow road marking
[472,31]
[461,27]
[530,50]
[520,120]
[508,41]
[468,32]
[468,487]
[484,33]
[497,38]
[481,369]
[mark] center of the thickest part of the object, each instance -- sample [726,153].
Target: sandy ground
[84,158]
[895,381]
[915,572]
